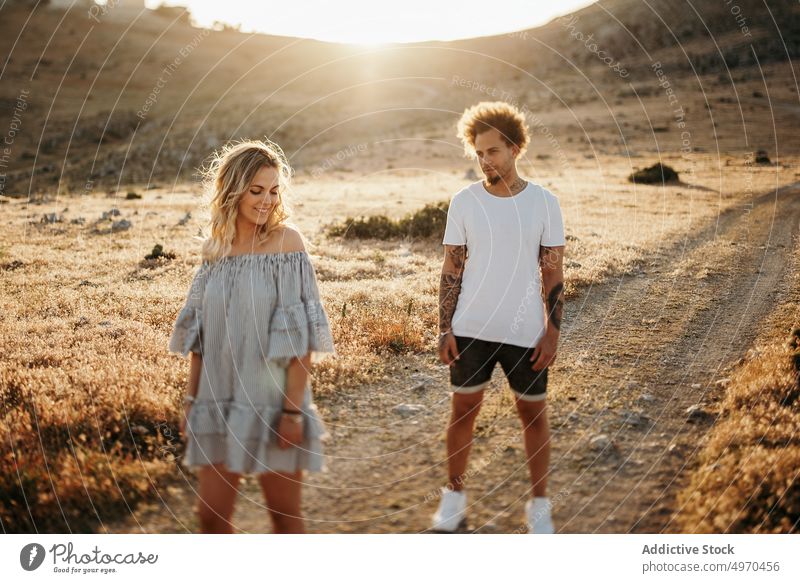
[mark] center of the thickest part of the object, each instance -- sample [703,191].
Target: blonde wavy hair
[227,178]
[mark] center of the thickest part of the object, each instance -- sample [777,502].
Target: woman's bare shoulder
[289,239]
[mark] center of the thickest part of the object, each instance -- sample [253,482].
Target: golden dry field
[673,402]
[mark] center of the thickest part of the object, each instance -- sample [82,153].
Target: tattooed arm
[551,264]
[551,261]
[449,289]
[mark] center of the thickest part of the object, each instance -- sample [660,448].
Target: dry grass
[89,396]
[748,480]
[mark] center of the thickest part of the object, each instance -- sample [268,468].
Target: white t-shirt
[501,296]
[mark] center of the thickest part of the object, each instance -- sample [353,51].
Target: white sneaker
[451,513]
[537,511]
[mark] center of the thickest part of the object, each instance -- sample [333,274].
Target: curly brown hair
[502,116]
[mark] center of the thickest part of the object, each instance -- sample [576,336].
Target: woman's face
[261,198]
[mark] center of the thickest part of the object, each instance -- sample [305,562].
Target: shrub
[762,157]
[656,174]
[159,253]
[427,222]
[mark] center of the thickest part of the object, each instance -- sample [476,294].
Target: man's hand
[545,352]
[448,350]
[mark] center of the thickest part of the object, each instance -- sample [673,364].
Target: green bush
[427,222]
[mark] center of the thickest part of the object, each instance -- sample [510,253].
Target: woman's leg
[282,496]
[216,498]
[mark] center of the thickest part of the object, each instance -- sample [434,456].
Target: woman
[252,321]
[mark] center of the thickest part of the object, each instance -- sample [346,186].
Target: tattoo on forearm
[449,289]
[450,286]
[555,304]
[549,258]
[458,255]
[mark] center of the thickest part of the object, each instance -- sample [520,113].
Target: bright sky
[376,21]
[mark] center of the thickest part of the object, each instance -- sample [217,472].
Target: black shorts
[477,359]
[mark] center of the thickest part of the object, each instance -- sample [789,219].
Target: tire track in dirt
[698,310]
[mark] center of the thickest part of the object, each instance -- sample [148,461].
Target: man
[501,232]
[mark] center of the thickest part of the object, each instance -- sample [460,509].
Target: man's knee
[533,414]
[466,406]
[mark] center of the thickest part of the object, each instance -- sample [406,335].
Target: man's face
[494,155]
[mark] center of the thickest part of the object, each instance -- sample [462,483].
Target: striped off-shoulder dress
[247,316]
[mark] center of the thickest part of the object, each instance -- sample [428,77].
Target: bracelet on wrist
[293,415]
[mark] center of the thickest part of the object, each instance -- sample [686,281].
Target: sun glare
[373,24]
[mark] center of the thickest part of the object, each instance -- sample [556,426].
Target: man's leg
[530,390]
[451,513]
[469,376]
[536,431]
[459,435]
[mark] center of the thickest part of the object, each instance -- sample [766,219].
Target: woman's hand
[182,426]
[290,430]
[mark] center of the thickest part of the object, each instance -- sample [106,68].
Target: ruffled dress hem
[244,437]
